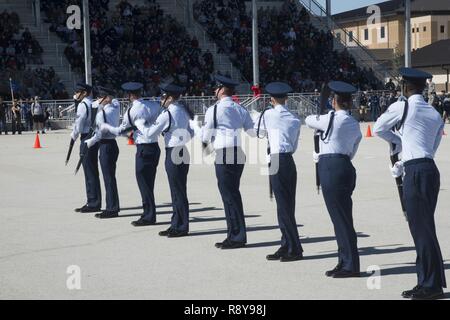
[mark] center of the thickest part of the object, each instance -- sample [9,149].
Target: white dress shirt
[140,109]
[345,134]
[282,129]
[421,133]
[173,123]
[231,119]
[112,114]
[83,121]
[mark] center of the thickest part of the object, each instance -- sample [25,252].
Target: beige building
[382,26]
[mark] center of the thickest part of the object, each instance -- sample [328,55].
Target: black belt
[106,141]
[147,144]
[230,148]
[282,154]
[334,156]
[177,147]
[417,161]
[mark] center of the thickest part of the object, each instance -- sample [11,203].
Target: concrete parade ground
[42,239]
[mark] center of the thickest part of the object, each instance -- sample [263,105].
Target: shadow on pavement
[170,212]
[366,251]
[302,240]
[410,269]
[164,205]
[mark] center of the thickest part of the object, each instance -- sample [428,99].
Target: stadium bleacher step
[222,63]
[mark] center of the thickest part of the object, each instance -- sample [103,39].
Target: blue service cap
[171,88]
[278,89]
[414,74]
[132,86]
[82,87]
[340,87]
[103,91]
[225,82]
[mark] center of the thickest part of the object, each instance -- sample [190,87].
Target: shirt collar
[416,98]
[88,99]
[280,107]
[172,106]
[226,99]
[137,101]
[341,112]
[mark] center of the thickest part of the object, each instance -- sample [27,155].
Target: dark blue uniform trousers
[109,153]
[147,159]
[420,191]
[284,185]
[177,168]
[229,167]
[338,178]
[91,174]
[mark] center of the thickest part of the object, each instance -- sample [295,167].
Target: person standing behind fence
[38,115]
[446,105]
[46,123]
[28,117]
[3,112]
[16,119]
[374,106]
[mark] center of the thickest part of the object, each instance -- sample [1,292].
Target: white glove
[194,125]
[316,157]
[107,128]
[140,124]
[90,142]
[73,136]
[397,169]
[397,149]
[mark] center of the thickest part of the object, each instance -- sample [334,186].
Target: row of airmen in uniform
[417,138]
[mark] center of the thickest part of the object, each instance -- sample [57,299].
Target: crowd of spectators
[18,48]
[134,44]
[45,83]
[290,47]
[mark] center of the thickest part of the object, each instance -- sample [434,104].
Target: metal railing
[298,103]
[303,104]
[352,44]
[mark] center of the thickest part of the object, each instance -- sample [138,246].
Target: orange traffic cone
[37,142]
[369,132]
[130,140]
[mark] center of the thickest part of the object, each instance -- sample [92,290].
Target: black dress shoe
[220,244]
[341,274]
[107,214]
[276,256]
[164,233]
[427,294]
[408,293]
[291,258]
[87,209]
[79,209]
[177,234]
[143,223]
[227,244]
[330,273]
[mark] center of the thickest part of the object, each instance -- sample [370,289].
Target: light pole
[37,12]
[328,12]
[408,33]
[447,69]
[87,42]
[255,44]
